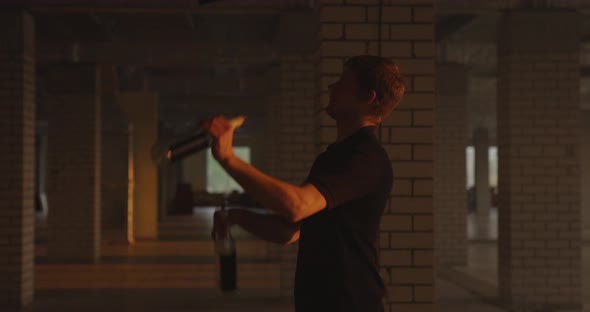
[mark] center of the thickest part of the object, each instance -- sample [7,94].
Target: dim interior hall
[490,148]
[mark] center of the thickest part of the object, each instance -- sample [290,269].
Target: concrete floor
[450,298]
[178,273]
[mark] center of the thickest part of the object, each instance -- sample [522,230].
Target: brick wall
[585,170]
[538,108]
[350,28]
[585,204]
[17,129]
[450,133]
[73,158]
[291,151]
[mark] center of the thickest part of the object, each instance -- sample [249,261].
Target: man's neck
[347,128]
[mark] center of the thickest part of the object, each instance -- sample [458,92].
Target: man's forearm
[272,228]
[278,196]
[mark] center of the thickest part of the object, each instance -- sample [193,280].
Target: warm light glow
[130,188]
[169,154]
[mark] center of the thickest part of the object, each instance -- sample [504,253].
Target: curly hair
[381,75]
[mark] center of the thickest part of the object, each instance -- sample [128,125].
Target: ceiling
[212,48]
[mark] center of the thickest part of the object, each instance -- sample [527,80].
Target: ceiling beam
[194,107]
[496,6]
[156,55]
[229,87]
[163,6]
[103,23]
[138,10]
[190,21]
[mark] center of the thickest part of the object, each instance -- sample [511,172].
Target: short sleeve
[361,173]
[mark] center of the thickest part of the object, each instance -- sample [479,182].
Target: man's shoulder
[373,149]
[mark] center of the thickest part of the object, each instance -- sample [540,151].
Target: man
[335,214]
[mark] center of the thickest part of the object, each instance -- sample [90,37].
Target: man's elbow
[291,239]
[291,230]
[297,213]
[304,203]
[294,213]
[286,239]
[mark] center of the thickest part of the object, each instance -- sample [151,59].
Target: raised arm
[289,201]
[292,202]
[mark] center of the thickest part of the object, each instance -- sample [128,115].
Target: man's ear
[372,97]
[372,103]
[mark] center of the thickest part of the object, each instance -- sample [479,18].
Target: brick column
[481,143]
[538,108]
[115,150]
[17,131]
[73,188]
[407,35]
[585,170]
[142,110]
[291,134]
[450,136]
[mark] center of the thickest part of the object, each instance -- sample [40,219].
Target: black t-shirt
[338,260]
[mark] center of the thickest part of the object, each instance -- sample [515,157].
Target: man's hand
[291,202]
[222,131]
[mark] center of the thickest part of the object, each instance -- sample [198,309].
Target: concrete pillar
[142,110]
[481,142]
[74,163]
[407,36]
[115,150]
[17,179]
[450,137]
[538,125]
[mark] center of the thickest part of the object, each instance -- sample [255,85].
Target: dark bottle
[189,145]
[225,248]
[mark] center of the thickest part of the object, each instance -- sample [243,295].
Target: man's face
[344,97]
